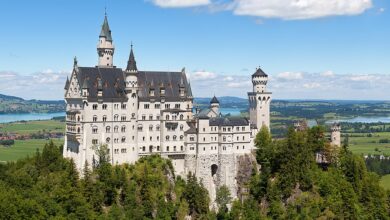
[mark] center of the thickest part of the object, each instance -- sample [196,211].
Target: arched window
[143,148]
[123,139]
[150,148]
[94,118]
[78,130]
[108,140]
[150,127]
[181,127]
[167,117]
[174,137]
[123,129]
[181,148]
[116,117]
[181,117]
[116,128]
[158,148]
[108,129]
[157,127]
[140,127]
[133,115]
[167,138]
[104,117]
[167,148]
[94,130]
[174,148]
[133,95]
[78,118]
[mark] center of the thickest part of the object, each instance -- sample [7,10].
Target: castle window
[167,117]
[94,141]
[158,148]
[181,137]
[168,148]
[157,117]
[237,147]
[108,129]
[177,106]
[124,106]
[181,117]
[123,150]
[123,129]
[143,117]
[151,138]
[238,138]
[104,118]
[94,118]
[229,129]
[243,137]
[116,117]
[174,148]
[146,106]
[167,106]
[123,140]
[192,138]
[150,127]
[204,149]
[116,106]
[151,92]
[143,138]
[224,138]
[174,137]
[162,91]
[204,139]
[243,128]
[104,106]
[94,130]
[224,129]
[237,128]
[167,138]
[158,138]
[133,95]
[116,129]
[133,115]
[108,140]
[144,148]
[123,118]
[181,148]
[204,129]
[157,106]
[181,127]
[157,127]
[243,147]
[94,106]
[150,117]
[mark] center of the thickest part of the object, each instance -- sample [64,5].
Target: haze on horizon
[310,49]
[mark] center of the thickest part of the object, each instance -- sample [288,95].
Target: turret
[105,46]
[85,88]
[336,134]
[214,105]
[259,80]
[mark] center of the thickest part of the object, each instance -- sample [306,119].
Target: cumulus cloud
[327,74]
[180,3]
[290,75]
[311,85]
[202,75]
[228,78]
[281,9]
[300,9]
[47,84]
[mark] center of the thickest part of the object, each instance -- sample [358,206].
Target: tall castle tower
[214,105]
[259,100]
[105,46]
[336,135]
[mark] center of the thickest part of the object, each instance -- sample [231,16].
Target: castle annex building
[138,113]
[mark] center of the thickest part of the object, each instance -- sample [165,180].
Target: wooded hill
[12,104]
[291,186]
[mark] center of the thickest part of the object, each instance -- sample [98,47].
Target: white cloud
[228,78]
[202,75]
[311,85]
[47,84]
[281,9]
[244,84]
[300,9]
[327,74]
[180,3]
[365,77]
[290,75]
[381,10]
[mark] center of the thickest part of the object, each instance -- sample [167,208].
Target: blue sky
[312,49]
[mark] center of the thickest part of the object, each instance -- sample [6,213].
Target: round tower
[105,46]
[336,134]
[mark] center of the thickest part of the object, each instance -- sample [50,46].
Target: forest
[290,185]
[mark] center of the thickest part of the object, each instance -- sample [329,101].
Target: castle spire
[105,47]
[131,63]
[106,32]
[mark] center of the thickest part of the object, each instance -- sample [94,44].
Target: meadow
[24,148]
[385,182]
[30,127]
[365,144]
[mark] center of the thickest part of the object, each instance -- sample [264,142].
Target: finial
[105,10]
[75,61]
[131,44]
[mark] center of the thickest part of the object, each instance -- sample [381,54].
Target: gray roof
[111,81]
[106,32]
[214,100]
[67,83]
[259,72]
[170,81]
[191,130]
[131,63]
[205,112]
[228,121]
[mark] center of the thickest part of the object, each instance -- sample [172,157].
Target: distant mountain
[13,104]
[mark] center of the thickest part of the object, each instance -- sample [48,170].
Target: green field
[23,148]
[33,127]
[368,145]
[385,182]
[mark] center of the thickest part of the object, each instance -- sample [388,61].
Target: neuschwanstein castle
[138,113]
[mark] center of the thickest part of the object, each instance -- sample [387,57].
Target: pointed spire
[189,90]
[259,72]
[131,63]
[214,100]
[67,83]
[106,32]
[75,61]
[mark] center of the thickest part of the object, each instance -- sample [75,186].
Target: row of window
[229,129]
[158,148]
[116,118]
[140,128]
[104,106]
[108,129]
[158,106]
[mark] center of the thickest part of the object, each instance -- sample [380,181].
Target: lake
[4,118]
[361,119]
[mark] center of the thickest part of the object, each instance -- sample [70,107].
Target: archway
[214,169]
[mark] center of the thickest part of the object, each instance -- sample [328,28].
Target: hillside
[12,104]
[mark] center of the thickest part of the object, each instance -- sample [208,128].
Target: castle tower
[214,105]
[131,81]
[259,100]
[336,134]
[105,46]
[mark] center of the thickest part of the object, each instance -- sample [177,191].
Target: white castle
[139,113]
